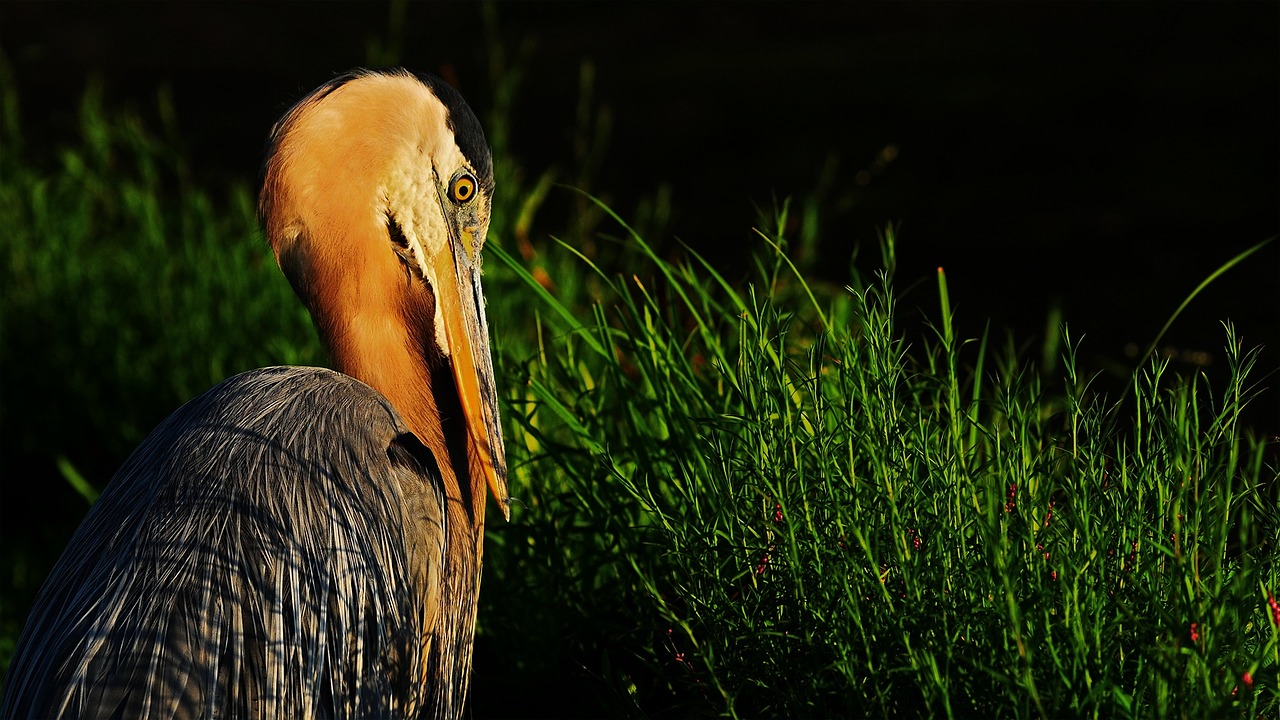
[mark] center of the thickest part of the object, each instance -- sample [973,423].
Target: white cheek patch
[413,202]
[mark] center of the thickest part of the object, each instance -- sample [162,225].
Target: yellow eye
[463,188]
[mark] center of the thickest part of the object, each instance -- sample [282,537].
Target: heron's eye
[462,188]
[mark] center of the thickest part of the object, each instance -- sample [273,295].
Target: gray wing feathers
[273,549]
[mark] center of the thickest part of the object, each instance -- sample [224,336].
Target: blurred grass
[733,497]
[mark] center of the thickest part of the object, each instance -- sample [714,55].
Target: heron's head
[375,197]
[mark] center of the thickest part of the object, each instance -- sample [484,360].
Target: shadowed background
[1101,159]
[1104,157]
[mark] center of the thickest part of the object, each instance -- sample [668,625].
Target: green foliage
[136,282]
[745,501]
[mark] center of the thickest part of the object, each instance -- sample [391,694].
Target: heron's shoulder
[238,437]
[294,379]
[294,396]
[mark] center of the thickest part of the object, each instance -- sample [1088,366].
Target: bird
[298,541]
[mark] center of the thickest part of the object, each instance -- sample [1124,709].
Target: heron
[298,541]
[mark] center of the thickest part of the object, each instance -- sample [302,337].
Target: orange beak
[461,305]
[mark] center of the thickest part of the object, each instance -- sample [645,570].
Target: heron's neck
[390,356]
[377,321]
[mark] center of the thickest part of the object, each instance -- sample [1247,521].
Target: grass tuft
[765,503]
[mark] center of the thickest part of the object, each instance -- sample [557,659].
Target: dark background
[1101,157]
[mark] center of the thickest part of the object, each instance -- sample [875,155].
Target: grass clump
[749,500]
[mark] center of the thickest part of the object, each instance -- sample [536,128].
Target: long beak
[467,333]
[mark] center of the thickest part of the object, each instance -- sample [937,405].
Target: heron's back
[268,551]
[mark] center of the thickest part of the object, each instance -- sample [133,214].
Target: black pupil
[463,190]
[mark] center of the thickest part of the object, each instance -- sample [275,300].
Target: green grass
[733,497]
[772,505]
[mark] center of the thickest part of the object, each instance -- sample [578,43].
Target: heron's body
[235,570]
[299,542]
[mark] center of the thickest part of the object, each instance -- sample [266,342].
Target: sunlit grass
[786,510]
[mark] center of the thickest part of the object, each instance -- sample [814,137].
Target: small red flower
[1247,678]
[764,563]
[1275,609]
[777,513]
[677,654]
[1195,632]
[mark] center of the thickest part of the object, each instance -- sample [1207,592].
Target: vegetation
[732,497]
[778,507]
